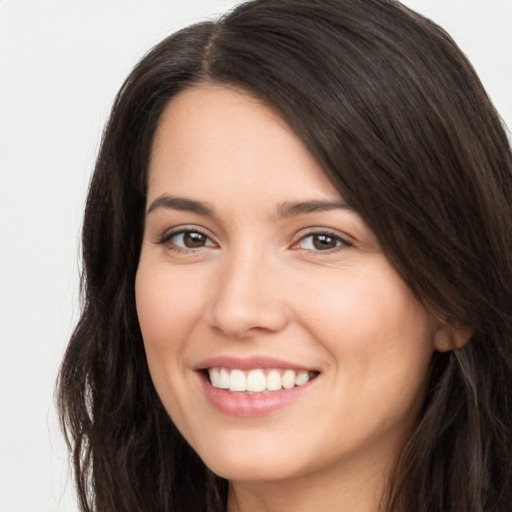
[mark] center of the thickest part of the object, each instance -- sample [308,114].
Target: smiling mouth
[258,380]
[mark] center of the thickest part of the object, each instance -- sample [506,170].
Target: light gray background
[61,63]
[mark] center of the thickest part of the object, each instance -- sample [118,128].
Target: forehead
[212,138]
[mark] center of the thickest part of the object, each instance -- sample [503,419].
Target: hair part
[398,119]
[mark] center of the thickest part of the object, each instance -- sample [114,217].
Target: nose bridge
[247,299]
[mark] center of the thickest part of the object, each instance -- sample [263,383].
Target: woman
[297,273]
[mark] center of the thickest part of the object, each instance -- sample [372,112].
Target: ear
[451,337]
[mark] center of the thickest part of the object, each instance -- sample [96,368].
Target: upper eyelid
[299,235]
[168,234]
[344,243]
[345,237]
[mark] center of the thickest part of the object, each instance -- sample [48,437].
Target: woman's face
[255,275]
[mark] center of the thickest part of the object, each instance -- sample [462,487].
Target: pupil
[193,240]
[323,242]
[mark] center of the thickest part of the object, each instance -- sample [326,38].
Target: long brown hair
[397,117]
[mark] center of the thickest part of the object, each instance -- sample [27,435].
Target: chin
[252,462]
[251,470]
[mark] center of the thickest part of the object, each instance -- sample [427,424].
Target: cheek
[370,309]
[167,309]
[379,336]
[167,305]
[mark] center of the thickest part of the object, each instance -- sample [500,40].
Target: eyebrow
[181,203]
[284,210]
[291,209]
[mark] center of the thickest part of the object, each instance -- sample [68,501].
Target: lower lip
[258,404]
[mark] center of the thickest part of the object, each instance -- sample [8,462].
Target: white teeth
[274,380]
[288,379]
[214,377]
[223,379]
[257,380]
[237,381]
[301,378]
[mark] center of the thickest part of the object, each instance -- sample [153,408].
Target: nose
[248,299]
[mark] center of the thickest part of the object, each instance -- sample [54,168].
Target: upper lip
[249,363]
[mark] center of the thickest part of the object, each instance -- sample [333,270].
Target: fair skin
[251,260]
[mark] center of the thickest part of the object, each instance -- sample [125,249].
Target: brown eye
[188,240]
[192,239]
[324,242]
[321,242]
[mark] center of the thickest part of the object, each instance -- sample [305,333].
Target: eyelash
[166,240]
[341,243]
